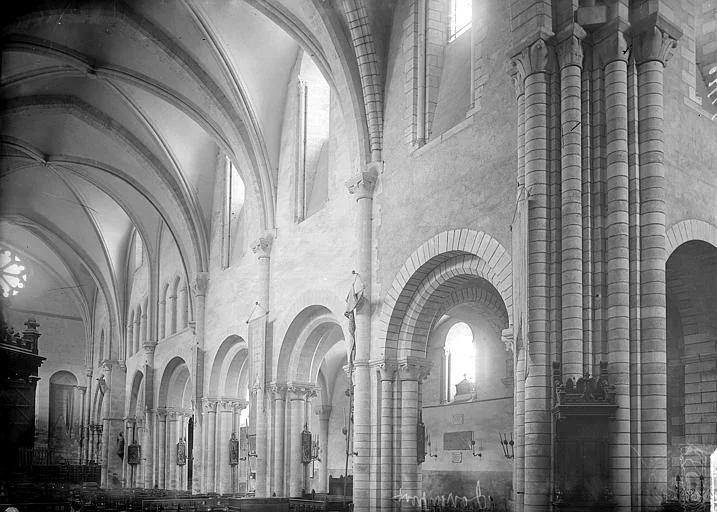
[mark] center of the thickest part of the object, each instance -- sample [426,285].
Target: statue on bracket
[120,445]
[181,452]
[234,450]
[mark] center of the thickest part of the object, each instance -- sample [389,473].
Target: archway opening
[691,279]
[64,411]
[467,399]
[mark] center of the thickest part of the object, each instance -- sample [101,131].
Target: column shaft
[279,435]
[210,435]
[386,441]
[172,439]
[570,53]
[296,467]
[618,266]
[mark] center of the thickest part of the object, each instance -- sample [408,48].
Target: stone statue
[181,452]
[120,445]
[234,450]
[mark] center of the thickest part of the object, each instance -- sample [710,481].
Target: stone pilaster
[410,373]
[162,452]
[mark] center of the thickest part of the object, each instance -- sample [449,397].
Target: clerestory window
[460,18]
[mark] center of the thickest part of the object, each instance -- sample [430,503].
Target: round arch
[687,230]
[433,271]
[177,379]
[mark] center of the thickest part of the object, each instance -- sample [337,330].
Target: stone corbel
[507,337]
[262,246]
[362,184]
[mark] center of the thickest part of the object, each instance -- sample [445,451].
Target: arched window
[233,225]
[460,16]
[13,275]
[138,250]
[311,181]
[459,357]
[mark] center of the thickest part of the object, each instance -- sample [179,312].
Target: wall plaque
[457,440]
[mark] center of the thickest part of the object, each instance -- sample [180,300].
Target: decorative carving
[386,369]
[262,246]
[531,59]
[181,452]
[209,405]
[654,38]
[506,336]
[587,396]
[570,47]
[278,390]
[414,369]
[233,450]
[363,183]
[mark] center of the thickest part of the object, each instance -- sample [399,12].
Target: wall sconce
[430,452]
[473,449]
[507,446]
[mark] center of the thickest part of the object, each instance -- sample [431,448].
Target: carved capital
[413,369]
[363,183]
[121,363]
[654,38]
[532,59]
[200,283]
[262,246]
[278,390]
[301,391]
[570,46]
[107,366]
[209,405]
[88,373]
[386,369]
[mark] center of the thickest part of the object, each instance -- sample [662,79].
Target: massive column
[257,351]
[224,432]
[297,407]
[362,185]
[653,41]
[532,69]
[200,284]
[279,392]
[612,54]
[570,59]
[148,440]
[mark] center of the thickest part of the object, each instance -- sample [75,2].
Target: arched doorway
[64,410]
[691,279]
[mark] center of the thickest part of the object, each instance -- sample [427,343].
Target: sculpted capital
[570,46]
[654,38]
[262,246]
[363,183]
[532,59]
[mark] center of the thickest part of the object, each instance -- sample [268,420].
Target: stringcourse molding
[687,230]
[482,256]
